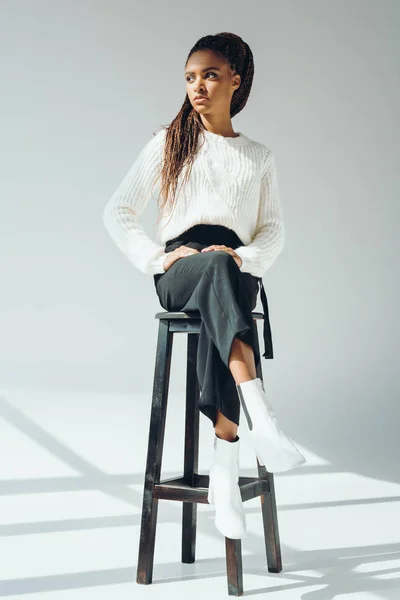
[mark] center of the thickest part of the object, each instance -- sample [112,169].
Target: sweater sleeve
[268,242]
[121,213]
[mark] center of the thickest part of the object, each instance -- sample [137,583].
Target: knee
[220,259]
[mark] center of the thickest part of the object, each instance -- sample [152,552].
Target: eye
[208,73]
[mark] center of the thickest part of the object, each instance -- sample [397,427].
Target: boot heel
[260,460]
[210,495]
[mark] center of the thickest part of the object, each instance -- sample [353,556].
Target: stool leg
[270,523]
[268,506]
[234,569]
[154,453]
[191,450]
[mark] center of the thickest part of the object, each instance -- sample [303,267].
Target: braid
[181,141]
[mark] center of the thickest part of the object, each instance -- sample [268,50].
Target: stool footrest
[195,488]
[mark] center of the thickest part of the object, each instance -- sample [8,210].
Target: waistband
[219,234]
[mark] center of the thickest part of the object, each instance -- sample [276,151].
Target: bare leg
[241,361]
[242,367]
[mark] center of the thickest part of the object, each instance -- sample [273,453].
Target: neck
[224,129]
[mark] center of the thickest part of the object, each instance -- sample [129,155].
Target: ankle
[227,437]
[245,380]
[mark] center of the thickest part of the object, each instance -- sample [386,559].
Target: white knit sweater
[233,182]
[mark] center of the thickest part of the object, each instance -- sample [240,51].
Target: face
[208,75]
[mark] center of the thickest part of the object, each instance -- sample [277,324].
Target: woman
[217,236]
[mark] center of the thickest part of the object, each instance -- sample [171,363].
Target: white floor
[71,480]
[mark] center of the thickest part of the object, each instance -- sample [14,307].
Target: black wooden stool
[192,487]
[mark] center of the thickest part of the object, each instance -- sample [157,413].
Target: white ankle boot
[224,490]
[273,447]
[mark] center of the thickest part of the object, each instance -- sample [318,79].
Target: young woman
[217,236]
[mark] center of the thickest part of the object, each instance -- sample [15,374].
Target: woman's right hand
[178,253]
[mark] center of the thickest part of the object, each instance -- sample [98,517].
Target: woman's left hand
[230,251]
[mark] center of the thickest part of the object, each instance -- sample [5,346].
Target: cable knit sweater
[233,182]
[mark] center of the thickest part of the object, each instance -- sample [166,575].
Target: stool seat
[191,488]
[193,314]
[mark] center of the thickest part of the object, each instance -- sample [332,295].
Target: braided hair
[181,140]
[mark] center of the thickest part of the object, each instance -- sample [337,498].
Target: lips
[200,99]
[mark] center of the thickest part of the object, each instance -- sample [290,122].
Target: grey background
[85,83]
[83,86]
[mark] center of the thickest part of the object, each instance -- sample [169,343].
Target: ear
[237,81]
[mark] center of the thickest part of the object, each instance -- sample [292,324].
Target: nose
[198,87]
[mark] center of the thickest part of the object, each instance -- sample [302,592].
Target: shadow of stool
[192,488]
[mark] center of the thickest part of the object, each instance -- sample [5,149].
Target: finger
[214,247]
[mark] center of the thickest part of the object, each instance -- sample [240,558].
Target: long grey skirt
[212,283]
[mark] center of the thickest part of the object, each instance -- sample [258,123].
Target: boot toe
[231,525]
[284,460]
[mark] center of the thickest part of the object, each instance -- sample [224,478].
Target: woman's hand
[178,253]
[230,251]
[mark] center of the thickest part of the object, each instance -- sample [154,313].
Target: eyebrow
[206,69]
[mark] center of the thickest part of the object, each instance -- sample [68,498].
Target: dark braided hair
[182,134]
